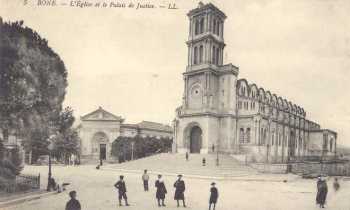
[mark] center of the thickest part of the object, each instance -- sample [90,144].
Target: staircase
[177,164]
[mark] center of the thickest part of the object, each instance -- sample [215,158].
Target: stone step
[176,163]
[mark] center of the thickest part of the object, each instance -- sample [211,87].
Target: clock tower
[206,120]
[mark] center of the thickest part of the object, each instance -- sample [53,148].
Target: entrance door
[196,140]
[103,151]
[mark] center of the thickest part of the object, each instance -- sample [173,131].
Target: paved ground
[96,192]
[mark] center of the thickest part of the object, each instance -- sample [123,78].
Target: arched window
[201,26]
[195,61]
[265,136]
[331,145]
[217,28]
[241,135]
[217,55]
[201,54]
[248,135]
[214,25]
[196,28]
[214,55]
[279,139]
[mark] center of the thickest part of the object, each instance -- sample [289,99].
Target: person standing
[214,194]
[161,190]
[179,191]
[186,156]
[73,203]
[120,185]
[336,184]
[145,178]
[322,190]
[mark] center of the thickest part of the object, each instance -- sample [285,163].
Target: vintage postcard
[174,104]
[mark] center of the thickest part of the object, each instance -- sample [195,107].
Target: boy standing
[120,185]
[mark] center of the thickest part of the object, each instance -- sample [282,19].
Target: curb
[228,178]
[25,199]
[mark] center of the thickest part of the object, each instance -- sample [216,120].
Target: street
[96,192]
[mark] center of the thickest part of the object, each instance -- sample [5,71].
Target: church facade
[225,114]
[100,128]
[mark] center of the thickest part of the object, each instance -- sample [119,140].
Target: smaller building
[100,128]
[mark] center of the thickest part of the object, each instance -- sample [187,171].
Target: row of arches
[252,91]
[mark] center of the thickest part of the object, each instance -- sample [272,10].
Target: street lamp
[132,150]
[217,155]
[50,147]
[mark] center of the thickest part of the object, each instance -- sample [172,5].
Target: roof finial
[200,4]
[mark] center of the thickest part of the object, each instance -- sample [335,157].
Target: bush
[143,146]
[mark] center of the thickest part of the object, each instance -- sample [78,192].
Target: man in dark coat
[214,194]
[322,190]
[179,191]
[120,185]
[73,204]
[161,190]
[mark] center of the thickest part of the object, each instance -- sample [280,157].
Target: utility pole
[132,150]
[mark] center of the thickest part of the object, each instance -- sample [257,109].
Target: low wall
[270,168]
[330,169]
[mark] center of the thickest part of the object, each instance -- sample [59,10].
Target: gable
[101,115]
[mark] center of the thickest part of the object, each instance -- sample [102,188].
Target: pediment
[101,115]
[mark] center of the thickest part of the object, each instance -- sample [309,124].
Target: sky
[130,61]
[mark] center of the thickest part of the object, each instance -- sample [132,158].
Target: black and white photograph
[174,104]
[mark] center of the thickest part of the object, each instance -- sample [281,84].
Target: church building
[223,113]
[100,128]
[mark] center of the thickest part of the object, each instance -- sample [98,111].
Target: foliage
[33,80]
[66,144]
[142,146]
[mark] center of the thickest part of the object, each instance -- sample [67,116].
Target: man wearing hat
[322,190]
[214,194]
[161,190]
[120,185]
[179,191]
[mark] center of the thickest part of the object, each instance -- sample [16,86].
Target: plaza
[96,191]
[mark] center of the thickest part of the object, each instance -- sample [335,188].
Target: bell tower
[206,118]
[206,38]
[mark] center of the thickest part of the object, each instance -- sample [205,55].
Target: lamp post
[132,150]
[50,147]
[217,156]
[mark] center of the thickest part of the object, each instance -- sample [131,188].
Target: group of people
[322,190]
[179,185]
[161,190]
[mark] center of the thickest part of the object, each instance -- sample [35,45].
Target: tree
[143,146]
[33,80]
[67,140]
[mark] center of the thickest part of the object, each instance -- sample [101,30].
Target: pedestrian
[161,190]
[203,162]
[73,203]
[120,185]
[322,190]
[145,178]
[179,191]
[186,156]
[336,184]
[214,194]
